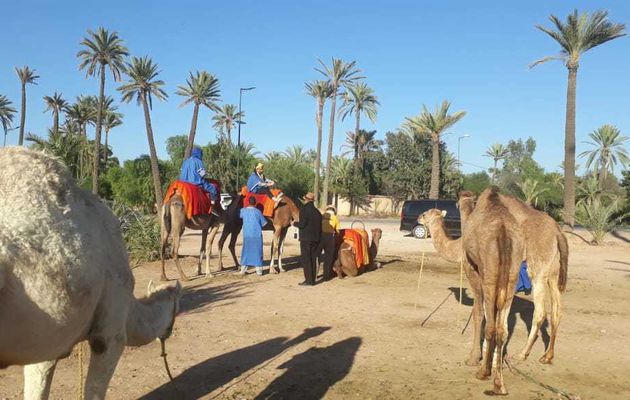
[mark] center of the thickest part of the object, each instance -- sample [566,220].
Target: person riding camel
[257,183]
[193,171]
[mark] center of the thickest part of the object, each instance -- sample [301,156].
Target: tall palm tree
[273,156]
[143,86]
[55,104]
[297,155]
[102,50]
[358,98]
[225,119]
[433,124]
[201,89]
[6,115]
[27,76]
[321,91]
[112,120]
[360,145]
[339,74]
[497,152]
[81,112]
[608,150]
[580,33]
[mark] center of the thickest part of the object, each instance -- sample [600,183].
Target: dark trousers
[327,245]
[309,261]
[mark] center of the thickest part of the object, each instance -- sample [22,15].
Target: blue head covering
[197,153]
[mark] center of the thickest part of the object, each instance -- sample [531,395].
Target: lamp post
[459,139]
[238,141]
[6,132]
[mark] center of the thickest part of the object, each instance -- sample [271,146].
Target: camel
[65,277]
[448,248]
[174,221]
[346,261]
[284,215]
[547,255]
[494,247]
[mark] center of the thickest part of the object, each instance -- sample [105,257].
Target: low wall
[378,206]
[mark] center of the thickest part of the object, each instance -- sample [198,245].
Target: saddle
[263,202]
[196,201]
[358,240]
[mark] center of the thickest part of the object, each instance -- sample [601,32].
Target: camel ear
[150,288]
[443,213]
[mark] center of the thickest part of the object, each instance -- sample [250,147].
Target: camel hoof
[495,392]
[545,360]
[184,278]
[518,357]
[208,276]
[282,269]
[472,362]
[482,375]
[163,278]
[272,270]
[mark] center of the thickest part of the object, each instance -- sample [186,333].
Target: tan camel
[346,264]
[547,254]
[448,248]
[64,271]
[494,247]
[284,215]
[174,221]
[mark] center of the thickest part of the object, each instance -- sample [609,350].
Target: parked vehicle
[412,209]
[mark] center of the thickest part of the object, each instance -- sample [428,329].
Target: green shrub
[141,233]
[598,218]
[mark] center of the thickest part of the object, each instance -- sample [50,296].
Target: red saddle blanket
[263,202]
[358,239]
[196,201]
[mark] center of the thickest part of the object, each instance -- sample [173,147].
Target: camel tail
[563,248]
[506,256]
[166,217]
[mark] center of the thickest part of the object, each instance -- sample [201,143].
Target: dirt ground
[266,337]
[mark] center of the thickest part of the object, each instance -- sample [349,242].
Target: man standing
[252,250]
[310,233]
[330,228]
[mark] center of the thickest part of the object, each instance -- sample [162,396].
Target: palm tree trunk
[434,191]
[569,151]
[56,122]
[331,134]
[318,156]
[356,136]
[155,171]
[106,147]
[193,130]
[23,115]
[97,138]
[229,134]
[494,171]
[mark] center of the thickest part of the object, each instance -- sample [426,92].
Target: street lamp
[6,131]
[238,141]
[459,139]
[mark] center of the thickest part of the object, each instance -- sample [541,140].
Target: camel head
[168,290]
[429,216]
[377,234]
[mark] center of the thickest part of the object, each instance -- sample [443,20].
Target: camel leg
[283,235]
[176,239]
[349,267]
[103,362]
[554,292]
[337,268]
[212,234]
[477,313]
[538,292]
[37,380]
[164,236]
[501,336]
[489,298]
[232,248]
[275,249]
[202,250]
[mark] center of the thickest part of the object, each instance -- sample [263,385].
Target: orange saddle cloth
[196,201]
[263,202]
[358,239]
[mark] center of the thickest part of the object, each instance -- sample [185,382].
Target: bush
[140,232]
[598,218]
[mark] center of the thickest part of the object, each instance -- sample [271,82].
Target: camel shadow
[522,307]
[311,374]
[197,299]
[201,379]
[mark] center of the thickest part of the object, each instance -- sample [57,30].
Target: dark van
[412,209]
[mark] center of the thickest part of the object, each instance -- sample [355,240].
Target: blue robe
[256,184]
[252,251]
[523,284]
[193,172]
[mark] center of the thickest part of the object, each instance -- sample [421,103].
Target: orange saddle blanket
[358,239]
[263,202]
[196,201]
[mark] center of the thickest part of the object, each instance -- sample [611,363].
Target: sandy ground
[364,338]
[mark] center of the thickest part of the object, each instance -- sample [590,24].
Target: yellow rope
[419,278]
[81,388]
[461,279]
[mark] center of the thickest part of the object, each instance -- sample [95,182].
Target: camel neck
[149,318]
[446,246]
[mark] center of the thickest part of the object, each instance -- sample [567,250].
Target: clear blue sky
[474,54]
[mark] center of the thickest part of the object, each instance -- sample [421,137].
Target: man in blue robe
[252,250]
[193,171]
[257,183]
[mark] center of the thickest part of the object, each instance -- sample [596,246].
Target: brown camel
[284,215]
[448,248]
[346,261]
[174,221]
[547,255]
[494,247]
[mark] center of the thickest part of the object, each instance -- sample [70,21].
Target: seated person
[257,183]
[194,172]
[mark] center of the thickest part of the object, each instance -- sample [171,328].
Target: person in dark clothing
[327,244]
[310,226]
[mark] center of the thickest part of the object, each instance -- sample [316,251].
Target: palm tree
[358,98]
[225,118]
[360,145]
[297,155]
[579,34]
[531,191]
[112,120]
[56,104]
[101,50]
[274,156]
[339,74]
[497,152]
[143,86]
[6,115]
[200,89]
[81,112]
[608,151]
[433,125]
[27,76]
[320,90]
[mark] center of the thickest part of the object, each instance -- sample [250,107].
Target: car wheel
[420,232]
